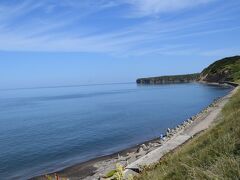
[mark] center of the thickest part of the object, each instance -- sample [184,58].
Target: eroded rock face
[223,70]
[169,79]
[220,76]
[226,69]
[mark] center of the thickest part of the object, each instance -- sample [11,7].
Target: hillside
[215,153]
[223,70]
[227,69]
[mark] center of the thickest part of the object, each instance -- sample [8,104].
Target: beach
[119,90]
[149,152]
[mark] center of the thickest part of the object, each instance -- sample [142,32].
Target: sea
[46,129]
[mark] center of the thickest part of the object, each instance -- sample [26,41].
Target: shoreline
[98,167]
[86,168]
[204,120]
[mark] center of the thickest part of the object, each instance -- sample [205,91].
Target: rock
[121,158]
[140,149]
[169,134]
[156,144]
[168,130]
[144,147]
[175,130]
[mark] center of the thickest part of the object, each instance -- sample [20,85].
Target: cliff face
[227,69]
[169,79]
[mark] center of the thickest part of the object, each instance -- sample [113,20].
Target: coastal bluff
[222,71]
[186,78]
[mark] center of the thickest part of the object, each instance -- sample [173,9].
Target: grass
[227,69]
[214,154]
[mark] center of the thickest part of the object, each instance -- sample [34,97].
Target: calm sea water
[46,129]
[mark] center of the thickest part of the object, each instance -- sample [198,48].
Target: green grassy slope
[214,154]
[227,69]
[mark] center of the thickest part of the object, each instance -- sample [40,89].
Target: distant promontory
[224,70]
[170,79]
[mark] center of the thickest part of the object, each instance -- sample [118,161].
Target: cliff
[227,69]
[169,79]
[224,70]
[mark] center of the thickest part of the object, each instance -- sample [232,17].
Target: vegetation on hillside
[227,69]
[169,79]
[214,154]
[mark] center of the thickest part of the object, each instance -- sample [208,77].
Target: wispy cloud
[100,26]
[153,7]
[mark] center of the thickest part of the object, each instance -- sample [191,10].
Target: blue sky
[68,42]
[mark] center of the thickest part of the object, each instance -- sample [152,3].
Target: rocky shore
[99,167]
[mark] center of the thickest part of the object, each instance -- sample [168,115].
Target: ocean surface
[47,129]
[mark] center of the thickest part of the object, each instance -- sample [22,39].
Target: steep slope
[214,154]
[227,69]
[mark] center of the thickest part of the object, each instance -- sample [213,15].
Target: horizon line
[64,86]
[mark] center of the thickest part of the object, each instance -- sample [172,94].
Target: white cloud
[153,7]
[48,29]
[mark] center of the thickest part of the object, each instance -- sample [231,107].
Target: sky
[71,42]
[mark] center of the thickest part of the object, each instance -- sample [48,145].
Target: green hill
[227,69]
[215,153]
